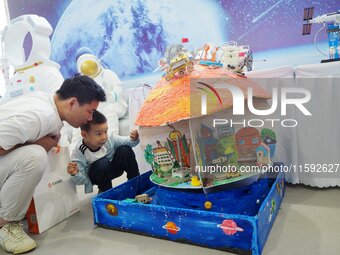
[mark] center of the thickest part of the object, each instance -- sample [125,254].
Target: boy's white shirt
[83,156]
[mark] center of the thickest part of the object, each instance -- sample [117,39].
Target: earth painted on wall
[130,37]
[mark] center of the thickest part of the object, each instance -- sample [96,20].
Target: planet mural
[229,227]
[130,37]
[111,209]
[171,227]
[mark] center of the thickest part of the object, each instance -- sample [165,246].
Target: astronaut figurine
[37,71]
[4,67]
[116,106]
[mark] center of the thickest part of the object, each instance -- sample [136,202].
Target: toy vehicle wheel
[190,68]
[181,72]
[249,61]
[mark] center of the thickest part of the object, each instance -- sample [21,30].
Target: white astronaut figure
[4,66]
[116,106]
[332,51]
[37,71]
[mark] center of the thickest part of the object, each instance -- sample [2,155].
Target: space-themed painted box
[238,220]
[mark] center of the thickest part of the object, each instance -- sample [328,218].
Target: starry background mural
[131,36]
[273,24]
[49,9]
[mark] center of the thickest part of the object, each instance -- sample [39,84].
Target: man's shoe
[14,239]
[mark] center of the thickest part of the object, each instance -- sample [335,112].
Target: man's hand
[47,142]
[72,168]
[134,135]
[56,137]
[3,151]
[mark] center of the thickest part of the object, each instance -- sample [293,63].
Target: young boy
[99,157]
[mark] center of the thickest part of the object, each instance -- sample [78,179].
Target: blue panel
[269,210]
[181,225]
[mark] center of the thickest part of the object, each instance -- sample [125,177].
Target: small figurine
[180,65]
[209,56]
[206,49]
[143,198]
[332,52]
[195,181]
[178,62]
[236,57]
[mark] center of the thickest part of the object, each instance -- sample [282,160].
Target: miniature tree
[267,133]
[175,165]
[157,168]
[148,154]
[166,144]
[226,146]
[221,146]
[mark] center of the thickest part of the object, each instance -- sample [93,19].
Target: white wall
[3,14]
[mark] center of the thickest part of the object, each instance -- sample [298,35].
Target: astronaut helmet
[87,63]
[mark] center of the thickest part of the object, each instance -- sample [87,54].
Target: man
[29,127]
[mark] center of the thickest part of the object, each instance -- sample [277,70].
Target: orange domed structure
[177,131]
[180,98]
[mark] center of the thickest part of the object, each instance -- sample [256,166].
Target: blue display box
[239,220]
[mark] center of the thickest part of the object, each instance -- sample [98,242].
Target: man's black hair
[82,87]
[97,118]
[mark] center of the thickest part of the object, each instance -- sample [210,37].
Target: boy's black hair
[82,87]
[97,118]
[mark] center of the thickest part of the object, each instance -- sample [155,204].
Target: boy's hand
[72,168]
[134,135]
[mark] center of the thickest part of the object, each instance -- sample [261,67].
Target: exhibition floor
[308,223]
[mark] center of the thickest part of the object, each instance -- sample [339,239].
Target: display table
[318,135]
[313,147]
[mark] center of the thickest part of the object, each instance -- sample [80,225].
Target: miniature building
[225,130]
[233,54]
[263,154]
[208,143]
[179,148]
[164,159]
[247,140]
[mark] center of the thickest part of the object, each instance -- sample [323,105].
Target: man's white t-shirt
[28,118]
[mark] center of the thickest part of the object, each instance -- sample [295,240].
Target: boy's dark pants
[103,171]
